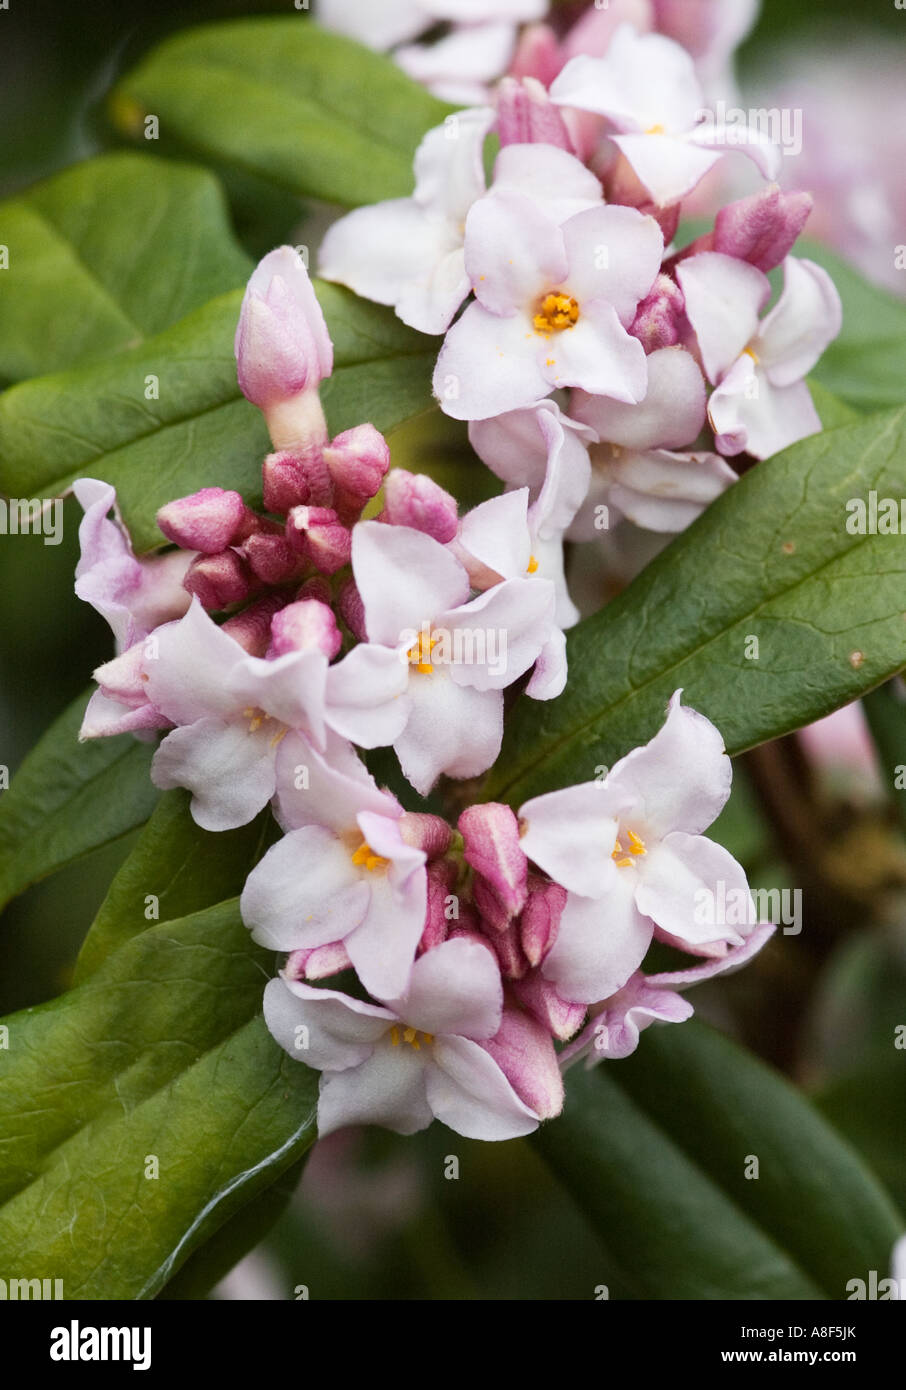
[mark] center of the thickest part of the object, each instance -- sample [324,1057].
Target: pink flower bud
[316,587]
[305,626]
[429,833]
[207,520]
[123,679]
[659,318]
[352,610]
[219,581]
[761,229]
[296,477]
[318,963]
[491,836]
[271,558]
[414,499]
[527,116]
[557,1015]
[441,878]
[538,54]
[252,627]
[358,460]
[524,1052]
[509,953]
[540,920]
[318,534]
[282,345]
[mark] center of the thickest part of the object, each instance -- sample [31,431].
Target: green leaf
[184,867]
[69,798]
[159,1054]
[106,254]
[95,421]
[320,115]
[771,559]
[868,1105]
[655,1149]
[866,364]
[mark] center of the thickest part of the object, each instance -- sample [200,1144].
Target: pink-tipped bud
[358,460]
[219,581]
[282,345]
[252,627]
[318,963]
[305,626]
[295,477]
[208,520]
[441,876]
[527,116]
[561,1018]
[319,535]
[271,558]
[761,229]
[509,953]
[659,319]
[524,1052]
[317,587]
[431,834]
[538,54]
[414,499]
[491,838]
[352,610]
[540,920]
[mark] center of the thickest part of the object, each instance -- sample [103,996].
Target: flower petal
[601,941]
[366,696]
[514,251]
[680,779]
[452,728]
[488,365]
[388,1089]
[724,297]
[468,1092]
[614,254]
[229,771]
[305,892]
[454,988]
[404,577]
[570,835]
[681,874]
[598,355]
[670,416]
[341,1031]
[807,316]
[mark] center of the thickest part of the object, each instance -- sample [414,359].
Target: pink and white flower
[417,1058]
[408,252]
[762,402]
[631,854]
[458,653]
[636,470]
[343,872]
[553,305]
[134,595]
[647,88]
[232,710]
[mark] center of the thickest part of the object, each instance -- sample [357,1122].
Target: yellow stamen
[410,1036]
[636,848]
[754,355]
[657,129]
[420,653]
[556,312]
[532,565]
[366,855]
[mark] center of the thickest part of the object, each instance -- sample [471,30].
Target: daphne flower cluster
[442,963]
[431,969]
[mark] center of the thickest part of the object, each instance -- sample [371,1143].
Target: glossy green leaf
[868,1105]
[320,115]
[106,254]
[95,421]
[885,710]
[655,1148]
[160,1054]
[773,559]
[69,798]
[182,867]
